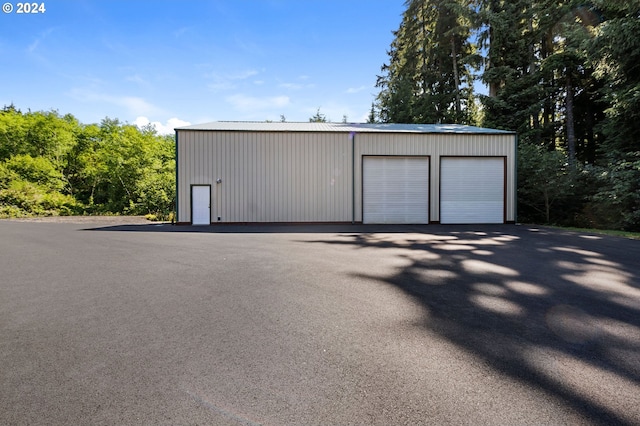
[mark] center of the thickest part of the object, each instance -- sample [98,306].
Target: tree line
[563,74]
[51,164]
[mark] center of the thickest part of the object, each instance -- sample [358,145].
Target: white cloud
[136,78]
[141,121]
[163,129]
[302,83]
[249,47]
[43,35]
[356,89]
[296,86]
[134,105]
[251,103]
[220,84]
[228,81]
[243,75]
[293,86]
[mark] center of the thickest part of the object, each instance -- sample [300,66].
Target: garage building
[246,172]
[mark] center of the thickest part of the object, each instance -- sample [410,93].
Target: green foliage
[429,75]
[372,114]
[6,176]
[38,134]
[23,198]
[616,203]
[38,170]
[318,117]
[563,74]
[615,55]
[53,165]
[547,186]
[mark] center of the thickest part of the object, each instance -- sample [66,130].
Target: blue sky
[187,61]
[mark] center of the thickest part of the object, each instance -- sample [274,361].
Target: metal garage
[246,172]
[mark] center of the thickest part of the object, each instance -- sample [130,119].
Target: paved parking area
[134,323]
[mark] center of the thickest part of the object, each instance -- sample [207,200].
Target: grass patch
[612,232]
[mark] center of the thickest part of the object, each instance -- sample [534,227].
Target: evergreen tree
[429,75]
[372,114]
[614,52]
[563,74]
[318,117]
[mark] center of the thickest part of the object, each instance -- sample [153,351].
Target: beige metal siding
[307,176]
[436,145]
[267,176]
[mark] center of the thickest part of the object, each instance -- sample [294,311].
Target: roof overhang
[255,126]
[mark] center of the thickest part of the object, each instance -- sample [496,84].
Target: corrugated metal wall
[307,176]
[436,145]
[267,176]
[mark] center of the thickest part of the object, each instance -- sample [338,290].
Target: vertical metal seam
[176,200]
[353,178]
[515,179]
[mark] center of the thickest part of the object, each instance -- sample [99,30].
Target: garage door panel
[396,190]
[472,190]
[472,212]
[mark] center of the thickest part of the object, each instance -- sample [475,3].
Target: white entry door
[201,205]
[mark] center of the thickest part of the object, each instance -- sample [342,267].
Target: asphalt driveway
[116,323]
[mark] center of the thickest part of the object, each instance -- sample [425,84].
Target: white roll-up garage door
[472,190]
[395,190]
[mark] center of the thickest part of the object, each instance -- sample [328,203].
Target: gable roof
[263,126]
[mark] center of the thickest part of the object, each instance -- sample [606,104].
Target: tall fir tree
[429,77]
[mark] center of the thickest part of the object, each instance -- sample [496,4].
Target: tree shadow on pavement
[557,311]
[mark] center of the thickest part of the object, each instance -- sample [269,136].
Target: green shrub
[6,176]
[24,198]
[618,193]
[11,212]
[37,170]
